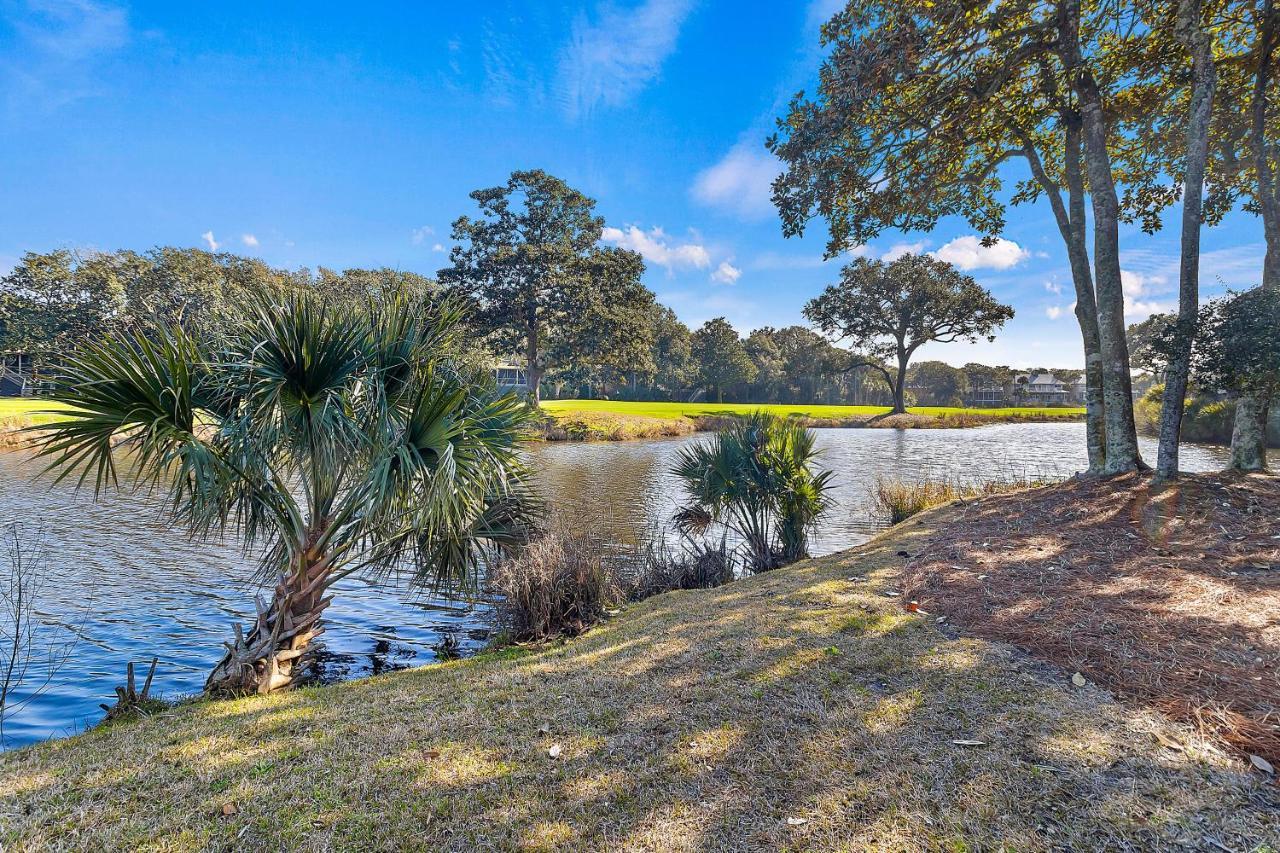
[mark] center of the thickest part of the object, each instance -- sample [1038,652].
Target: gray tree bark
[1117,386]
[1203,84]
[1249,435]
[1070,218]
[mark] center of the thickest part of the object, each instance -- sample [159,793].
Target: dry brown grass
[899,500]
[12,431]
[606,426]
[1167,594]
[802,709]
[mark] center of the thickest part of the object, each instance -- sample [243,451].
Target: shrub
[898,499]
[756,478]
[693,564]
[561,582]
[1206,419]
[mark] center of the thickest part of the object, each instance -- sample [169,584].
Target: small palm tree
[330,441]
[757,478]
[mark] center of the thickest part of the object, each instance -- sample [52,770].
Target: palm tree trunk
[275,652]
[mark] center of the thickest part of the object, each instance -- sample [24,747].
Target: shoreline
[852,720]
[574,425]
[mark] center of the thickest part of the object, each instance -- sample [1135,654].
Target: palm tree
[330,441]
[756,478]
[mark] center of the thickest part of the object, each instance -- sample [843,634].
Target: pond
[128,587]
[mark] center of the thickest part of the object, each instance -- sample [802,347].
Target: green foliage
[938,383]
[756,478]
[50,301]
[348,436]
[888,311]
[722,359]
[1238,349]
[542,287]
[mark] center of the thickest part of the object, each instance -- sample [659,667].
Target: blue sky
[318,134]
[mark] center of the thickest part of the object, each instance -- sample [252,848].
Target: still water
[128,587]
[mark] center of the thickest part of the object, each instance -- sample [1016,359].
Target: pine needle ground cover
[803,709]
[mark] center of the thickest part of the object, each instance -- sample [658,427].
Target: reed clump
[898,499]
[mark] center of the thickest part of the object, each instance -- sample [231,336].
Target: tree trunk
[278,647]
[1117,387]
[1203,82]
[1072,227]
[1249,436]
[900,387]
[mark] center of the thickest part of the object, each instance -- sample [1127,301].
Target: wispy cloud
[249,240]
[741,183]
[420,235]
[656,247]
[57,44]
[213,244]
[612,58]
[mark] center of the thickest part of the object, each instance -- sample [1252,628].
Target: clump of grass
[900,499]
[561,583]
[692,564]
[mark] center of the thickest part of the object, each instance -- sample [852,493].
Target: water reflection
[130,587]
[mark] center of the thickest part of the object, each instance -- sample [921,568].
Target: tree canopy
[540,284]
[887,311]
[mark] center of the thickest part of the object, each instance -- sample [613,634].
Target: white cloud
[213,244]
[612,59]
[1138,285]
[655,246]
[1053,312]
[968,253]
[726,273]
[420,235]
[741,183]
[248,239]
[1053,287]
[897,250]
[437,247]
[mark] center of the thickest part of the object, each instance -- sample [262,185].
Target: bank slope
[803,709]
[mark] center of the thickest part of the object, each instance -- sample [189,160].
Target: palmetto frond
[306,430]
[757,479]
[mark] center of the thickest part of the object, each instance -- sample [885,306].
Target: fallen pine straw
[800,710]
[1168,595]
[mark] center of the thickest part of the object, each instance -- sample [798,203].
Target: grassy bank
[614,419]
[800,709]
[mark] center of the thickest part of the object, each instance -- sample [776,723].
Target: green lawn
[28,408]
[801,709]
[677,410]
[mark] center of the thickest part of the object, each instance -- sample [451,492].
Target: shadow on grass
[802,709]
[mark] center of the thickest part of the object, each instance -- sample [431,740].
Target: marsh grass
[689,563]
[561,583]
[898,499]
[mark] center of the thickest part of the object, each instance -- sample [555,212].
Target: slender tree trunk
[1203,82]
[1117,385]
[274,653]
[1249,436]
[1072,226]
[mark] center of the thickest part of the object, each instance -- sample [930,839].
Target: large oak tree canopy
[540,284]
[886,311]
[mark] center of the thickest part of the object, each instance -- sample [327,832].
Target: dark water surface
[128,587]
